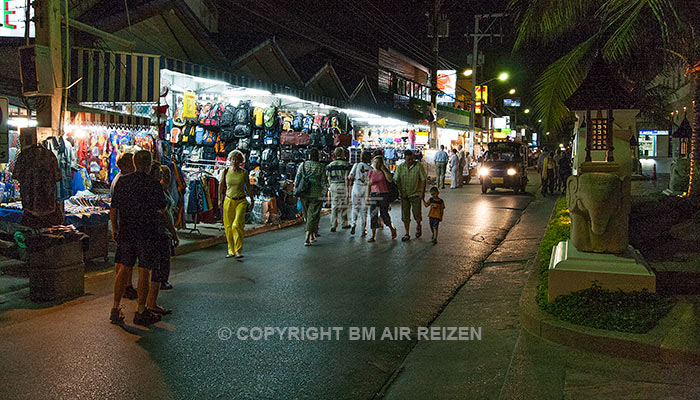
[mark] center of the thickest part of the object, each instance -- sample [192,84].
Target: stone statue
[680,175]
[599,203]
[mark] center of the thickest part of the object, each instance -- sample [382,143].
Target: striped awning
[99,117]
[188,68]
[114,76]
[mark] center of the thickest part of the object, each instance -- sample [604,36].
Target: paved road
[72,351]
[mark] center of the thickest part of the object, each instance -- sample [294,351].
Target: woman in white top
[454,169]
[359,181]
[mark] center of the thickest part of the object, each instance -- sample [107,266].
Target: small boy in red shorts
[437,208]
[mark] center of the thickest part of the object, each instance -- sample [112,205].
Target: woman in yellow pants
[232,194]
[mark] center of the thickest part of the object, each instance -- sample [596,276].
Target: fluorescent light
[301,111]
[209,81]
[256,92]
[288,97]
[260,104]
[21,122]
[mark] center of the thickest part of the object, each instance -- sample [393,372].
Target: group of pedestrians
[456,160]
[554,168]
[141,214]
[364,191]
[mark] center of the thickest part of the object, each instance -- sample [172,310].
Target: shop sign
[422,137]
[498,134]
[511,103]
[13,19]
[653,132]
[190,105]
[482,94]
[446,84]
[500,123]
[477,107]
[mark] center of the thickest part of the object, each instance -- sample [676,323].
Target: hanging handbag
[342,139]
[302,139]
[303,186]
[288,138]
[393,191]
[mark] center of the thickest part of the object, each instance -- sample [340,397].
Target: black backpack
[243,144]
[227,134]
[327,139]
[269,160]
[257,139]
[290,169]
[287,153]
[242,131]
[316,139]
[228,117]
[243,114]
[299,155]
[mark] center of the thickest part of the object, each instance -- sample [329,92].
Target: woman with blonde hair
[232,194]
[378,195]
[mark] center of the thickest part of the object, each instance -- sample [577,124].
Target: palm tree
[617,31]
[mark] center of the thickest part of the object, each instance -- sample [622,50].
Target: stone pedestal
[571,270]
[57,273]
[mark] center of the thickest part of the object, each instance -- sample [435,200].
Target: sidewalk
[489,300]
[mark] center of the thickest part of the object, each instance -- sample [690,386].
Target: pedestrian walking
[358,180]
[310,188]
[136,213]
[125,163]
[437,208]
[411,179]
[163,246]
[170,212]
[548,174]
[462,163]
[232,200]
[454,168]
[441,160]
[337,172]
[564,170]
[540,159]
[378,192]
[557,180]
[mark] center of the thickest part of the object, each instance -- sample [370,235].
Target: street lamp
[511,91]
[527,111]
[503,76]
[468,72]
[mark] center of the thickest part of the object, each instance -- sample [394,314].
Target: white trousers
[339,205]
[359,205]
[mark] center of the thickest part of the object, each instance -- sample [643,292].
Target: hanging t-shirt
[81,180]
[118,141]
[37,172]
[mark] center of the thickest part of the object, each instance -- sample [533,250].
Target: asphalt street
[72,351]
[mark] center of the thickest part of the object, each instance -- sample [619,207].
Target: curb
[610,343]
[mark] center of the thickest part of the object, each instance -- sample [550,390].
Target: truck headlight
[511,171]
[484,171]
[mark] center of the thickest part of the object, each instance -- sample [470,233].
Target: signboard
[422,137]
[511,103]
[13,19]
[653,132]
[4,135]
[477,107]
[499,134]
[500,123]
[446,83]
[189,105]
[482,94]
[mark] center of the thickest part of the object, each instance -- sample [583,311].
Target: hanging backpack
[316,139]
[271,137]
[220,147]
[308,123]
[257,141]
[258,117]
[198,135]
[287,153]
[269,160]
[209,138]
[228,117]
[214,117]
[242,131]
[298,155]
[187,136]
[324,156]
[290,170]
[326,124]
[243,144]
[243,114]
[270,117]
[335,125]
[204,113]
[227,134]
[318,122]
[286,121]
[327,140]
[254,157]
[298,122]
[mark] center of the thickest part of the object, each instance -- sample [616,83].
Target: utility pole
[478,35]
[435,21]
[48,34]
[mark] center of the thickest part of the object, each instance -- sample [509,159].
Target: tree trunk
[694,186]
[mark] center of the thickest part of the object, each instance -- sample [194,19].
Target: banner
[190,105]
[446,84]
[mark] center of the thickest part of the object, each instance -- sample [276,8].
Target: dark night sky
[355,26]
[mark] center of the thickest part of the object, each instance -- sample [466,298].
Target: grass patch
[635,312]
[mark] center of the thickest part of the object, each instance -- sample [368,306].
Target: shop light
[209,81]
[21,122]
[255,92]
[360,113]
[259,104]
[288,97]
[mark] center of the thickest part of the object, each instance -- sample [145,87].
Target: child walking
[437,208]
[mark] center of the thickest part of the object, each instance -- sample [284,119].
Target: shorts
[411,204]
[143,251]
[434,222]
[161,272]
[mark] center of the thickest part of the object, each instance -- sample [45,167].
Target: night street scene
[350,199]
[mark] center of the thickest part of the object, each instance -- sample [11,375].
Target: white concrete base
[571,270]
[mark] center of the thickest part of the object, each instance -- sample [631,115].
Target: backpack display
[269,160]
[298,122]
[227,134]
[271,137]
[258,117]
[220,147]
[214,117]
[315,139]
[228,117]
[243,144]
[327,140]
[326,124]
[290,170]
[287,153]
[198,135]
[254,157]
[270,117]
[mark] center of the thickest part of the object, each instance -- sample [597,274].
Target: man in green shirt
[411,179]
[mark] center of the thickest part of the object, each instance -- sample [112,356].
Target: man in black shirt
[136,212]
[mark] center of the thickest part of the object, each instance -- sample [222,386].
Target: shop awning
[79,115]
[201,71]
[114,76]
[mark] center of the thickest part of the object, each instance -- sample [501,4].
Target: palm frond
[546,20]
[624,19]
[559,81]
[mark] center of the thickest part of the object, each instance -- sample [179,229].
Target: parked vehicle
[504,166]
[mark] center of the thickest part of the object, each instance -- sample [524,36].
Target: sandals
[229,256]
[371,240]
[419,232]
[393,233]
[406,238]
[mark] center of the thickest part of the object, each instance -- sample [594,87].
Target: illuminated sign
[653,132]
[511,103]
[482,94]
[477,107]
[498,134]
[446,84]
[500,123]
[13,19]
